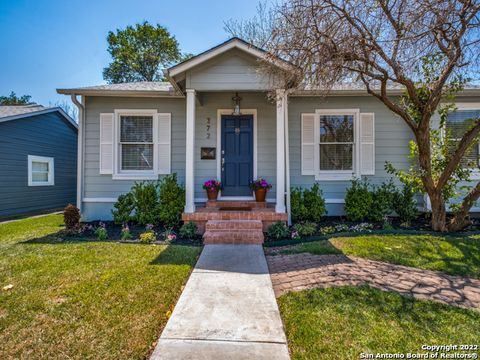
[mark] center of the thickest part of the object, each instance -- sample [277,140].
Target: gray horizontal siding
[391,141]
[391,137]
[102,186]
[232,71]
[42,135]
[266,146]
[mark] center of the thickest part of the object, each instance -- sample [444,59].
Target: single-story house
[38,159]
[214,119]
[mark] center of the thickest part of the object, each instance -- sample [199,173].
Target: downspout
[80,138]
[287,160]
[166,73]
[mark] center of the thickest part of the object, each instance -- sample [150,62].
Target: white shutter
[308,144]
[164,143]
[367,143]
[106,143]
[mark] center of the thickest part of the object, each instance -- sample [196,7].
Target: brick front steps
[234,222]
[233,232]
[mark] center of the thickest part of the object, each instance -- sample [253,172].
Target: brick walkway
[304,271]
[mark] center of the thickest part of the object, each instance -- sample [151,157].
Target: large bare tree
[258,29]
[425,47]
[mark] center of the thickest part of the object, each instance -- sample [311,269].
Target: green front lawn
[341,323]
[459,255]
[84,299]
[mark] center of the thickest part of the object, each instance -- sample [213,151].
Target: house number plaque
[208,153]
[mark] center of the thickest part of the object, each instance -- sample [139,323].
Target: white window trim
[475,175]
[338,175]
[51,170]
[119,174]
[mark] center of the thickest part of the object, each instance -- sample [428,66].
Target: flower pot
[212,194]
[260,195]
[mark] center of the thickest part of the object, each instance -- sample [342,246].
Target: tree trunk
[462,218]
[439,214]
[459,222]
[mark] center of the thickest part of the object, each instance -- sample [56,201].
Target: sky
[52,44]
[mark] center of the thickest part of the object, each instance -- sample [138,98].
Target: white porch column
[281,100]
[190,153]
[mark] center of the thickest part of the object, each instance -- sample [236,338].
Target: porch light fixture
[236,104]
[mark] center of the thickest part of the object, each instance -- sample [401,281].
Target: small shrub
[358,201]
[307,204]
[405,204]
[125,234]
[189,230]
[342,228]
[171,201]
[123,208]
[101,232]
[146,202]
[71,217]
[305,229]
[277,231]
[169,236]
[387,225]
[325,230]
[295,235]
[148,235]
[362,227]
[382,201]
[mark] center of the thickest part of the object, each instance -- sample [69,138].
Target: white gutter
[287,161]
[81,121]
[121,93]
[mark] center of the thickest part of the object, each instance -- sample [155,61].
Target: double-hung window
[336,142]
[458,123]
[336,138]
[40,171]
[136,143]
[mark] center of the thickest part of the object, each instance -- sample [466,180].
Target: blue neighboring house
[38,160]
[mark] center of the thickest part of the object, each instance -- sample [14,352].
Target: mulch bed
[114,234]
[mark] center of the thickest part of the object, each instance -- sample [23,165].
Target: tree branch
[457,156]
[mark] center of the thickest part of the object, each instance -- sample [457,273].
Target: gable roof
[173,89]
[139,88]
[14,112]
[233,43]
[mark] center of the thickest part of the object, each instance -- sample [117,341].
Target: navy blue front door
[237,155]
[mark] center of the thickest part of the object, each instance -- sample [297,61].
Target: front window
[136,143]
[336,142]
[458,123]
[40,171]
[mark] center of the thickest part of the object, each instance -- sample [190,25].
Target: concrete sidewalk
[227,310]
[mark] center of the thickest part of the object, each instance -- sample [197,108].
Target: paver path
[303,271]
[226,311]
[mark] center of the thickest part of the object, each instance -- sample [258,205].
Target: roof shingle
[12,110]
[141,86]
